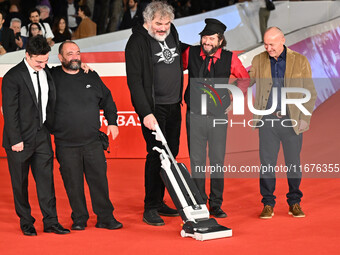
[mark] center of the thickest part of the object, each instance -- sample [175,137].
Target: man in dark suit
[7,41]
[28,99]
[132,15]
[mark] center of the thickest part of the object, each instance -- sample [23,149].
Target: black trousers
[201,132]
[169,121]
[270,140]
[89,160]
[38,156]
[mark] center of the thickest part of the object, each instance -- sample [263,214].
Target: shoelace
[154,213]
[267,208]
[296,207]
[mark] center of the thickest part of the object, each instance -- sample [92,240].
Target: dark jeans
[201,132]
[89,160]
[169,121]
[40,157]
[270,139]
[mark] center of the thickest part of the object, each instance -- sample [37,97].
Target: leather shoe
[267,212]
[28,230]
[296,211]
[218,212]
[57,229]
[113,224]
[78,226]
[151,217]
[165,210]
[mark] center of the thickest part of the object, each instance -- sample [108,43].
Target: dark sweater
[79,98]
[58,37]
[7,39]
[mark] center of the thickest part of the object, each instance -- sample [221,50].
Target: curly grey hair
[160,7]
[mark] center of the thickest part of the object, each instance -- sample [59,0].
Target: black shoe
[57,229]
[218,212]
[28,230]
[113,224]
[165,210]
[151,217]
[79,226]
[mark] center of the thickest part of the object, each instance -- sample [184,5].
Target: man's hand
[113,130]
[150,121]
[230,107]
[85,67]
[19,42]
[303,125]
[18,147]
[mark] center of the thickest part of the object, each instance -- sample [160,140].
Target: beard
[132,5]
[210,52]
[73,64]
[160,38]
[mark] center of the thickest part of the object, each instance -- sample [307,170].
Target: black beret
[213,26]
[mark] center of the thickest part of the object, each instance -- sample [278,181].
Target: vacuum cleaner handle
[159,135]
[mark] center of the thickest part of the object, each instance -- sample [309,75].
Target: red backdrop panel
[130,142]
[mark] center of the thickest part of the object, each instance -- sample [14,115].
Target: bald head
[274,41]
[274,31]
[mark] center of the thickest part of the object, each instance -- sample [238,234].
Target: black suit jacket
[20,107]
[8,40]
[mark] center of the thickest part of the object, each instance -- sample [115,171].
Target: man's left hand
[113,130]
[303,125]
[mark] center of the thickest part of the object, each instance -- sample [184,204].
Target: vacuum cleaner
[186,197]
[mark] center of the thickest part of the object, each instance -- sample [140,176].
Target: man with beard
[132,16]
[205,63]
[155,79]
[79,151]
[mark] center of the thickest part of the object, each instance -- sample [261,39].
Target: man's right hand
[150,121]
[18,147]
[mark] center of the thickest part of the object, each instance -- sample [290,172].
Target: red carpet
[315,234]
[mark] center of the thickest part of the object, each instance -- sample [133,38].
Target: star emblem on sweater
[167,55]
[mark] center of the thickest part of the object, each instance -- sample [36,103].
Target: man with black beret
[207,62]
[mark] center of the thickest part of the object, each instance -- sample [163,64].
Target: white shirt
[132,13]
[71,11]
[43,86]
[45,33]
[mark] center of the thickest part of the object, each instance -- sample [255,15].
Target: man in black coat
[155,79]
[28,99]
[132,16]
[7,42]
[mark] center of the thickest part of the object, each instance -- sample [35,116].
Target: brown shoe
[296,211]
[267,212]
